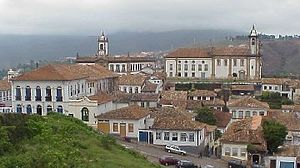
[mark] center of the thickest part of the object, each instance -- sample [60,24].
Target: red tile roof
[101,97]
[247,102]
[223,118]
[132,112]
[232,51]
[291,120]
[132,80]
[242,87]
[175,98]
[205,93]
[65,72]
[4,85]
[189,53]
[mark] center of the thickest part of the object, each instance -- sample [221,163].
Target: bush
[107,141]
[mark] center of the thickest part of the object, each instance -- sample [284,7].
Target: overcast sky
[87,17]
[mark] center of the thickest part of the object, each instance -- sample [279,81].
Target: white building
[247,107]
[5,96]
[242,63]
[278,85]
[124,122]
[50,88]
[131,83]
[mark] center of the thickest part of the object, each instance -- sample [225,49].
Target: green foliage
[274,133]
[205,115]
[56,140]
[218,134]
[275,100]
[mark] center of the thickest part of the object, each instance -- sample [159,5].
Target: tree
[274,133]
[205,115]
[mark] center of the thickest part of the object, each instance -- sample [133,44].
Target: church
[228,63]
[120,64]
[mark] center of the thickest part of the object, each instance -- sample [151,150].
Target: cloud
[89,16]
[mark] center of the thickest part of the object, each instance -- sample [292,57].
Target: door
[272,163]
[39,110]
[123,130]
[202,75]
[103,126]
[255,159]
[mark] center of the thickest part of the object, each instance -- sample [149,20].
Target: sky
[87,17]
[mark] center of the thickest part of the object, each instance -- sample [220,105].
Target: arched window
[59,94]
[18,93]
[234,75]
[28,109]
[101,46]
[111,67]
[136,90]
[60,109]
[28,93]
[253,41]
[39,110]
[38,94]
[48,94]
[84,114]
[49,108]
[19,108]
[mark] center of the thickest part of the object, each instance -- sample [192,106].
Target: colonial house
[243,90]
[205,95]
[292,122]
[247,107]
[244,141]
[131,83]
[170,98]
[124,122]
[279,85]
[5,96]
[51,87]
[223,120]
[285,157]
[233,63]
[86,108]
[120,64]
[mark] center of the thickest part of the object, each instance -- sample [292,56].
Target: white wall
[252,111]
[238,147]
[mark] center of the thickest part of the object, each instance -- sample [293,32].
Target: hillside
[59,141]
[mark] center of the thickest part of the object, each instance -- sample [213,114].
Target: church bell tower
[102,45]
[254,42]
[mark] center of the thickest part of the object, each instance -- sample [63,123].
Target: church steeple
[253,41]
[102,45]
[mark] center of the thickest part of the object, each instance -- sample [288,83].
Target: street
[153,153]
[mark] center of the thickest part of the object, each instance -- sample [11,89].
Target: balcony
[38,98]
[59,99]
[27,98]
[48,98]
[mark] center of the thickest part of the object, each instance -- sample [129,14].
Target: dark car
[235,164]
[185,164]
[168,160]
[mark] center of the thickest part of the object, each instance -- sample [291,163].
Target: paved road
[153,153]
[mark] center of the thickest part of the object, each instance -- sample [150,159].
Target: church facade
[238,63]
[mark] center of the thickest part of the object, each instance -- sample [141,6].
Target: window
[234,114]
[117,68]
[186,62]
[59,94]
[111,67]
[254,113]
[225,62]
[123,68]
[261,113]
[158,135]
[235,151]
[243,152]
[28,109]
[227,151]
[193,74]
[130,127]
[193,67]
[28,93]
[253,41]
[49,108]
[265,87]
[218,62]
[19,108]
[136,90]
[130,89]
[247,113]
[242,62]
[234,62]
[166,136]
[71,88]
[38,94]
[171,74]
[179,74]
[18,93]
[206,67]
[48,94]
[171,67]
[115,127]
[270,87]
[60,109]
[85,114]
[199,67]
[183,137]
[142,104]
[276,87]
[185,74]
[39,109]
[191,137]
[241,114]
[174,136]
[285,164]
[186,67]
[125,89]
[179,67]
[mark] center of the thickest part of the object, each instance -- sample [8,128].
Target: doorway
[123,130]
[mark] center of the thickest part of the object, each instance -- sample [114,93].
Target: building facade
[241,63]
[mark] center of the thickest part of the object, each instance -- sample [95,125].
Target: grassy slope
[60,141]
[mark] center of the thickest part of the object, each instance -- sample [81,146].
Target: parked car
[208,166]
[175,149]
[168,160]
[236,164]
[185,164]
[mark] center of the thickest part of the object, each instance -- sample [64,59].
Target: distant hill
[16,49]
[56,140]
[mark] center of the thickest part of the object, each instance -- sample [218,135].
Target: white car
[175,149]
[208,166]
